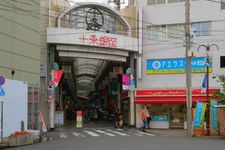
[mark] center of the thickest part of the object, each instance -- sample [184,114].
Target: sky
[98,1]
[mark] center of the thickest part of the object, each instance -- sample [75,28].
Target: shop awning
[174,96]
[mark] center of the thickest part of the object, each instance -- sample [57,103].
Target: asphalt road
[126,139]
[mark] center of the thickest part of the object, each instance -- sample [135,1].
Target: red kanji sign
[104,41]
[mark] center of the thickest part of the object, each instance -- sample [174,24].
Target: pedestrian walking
[143,118]
[118,118]
[95,115]
[149,117]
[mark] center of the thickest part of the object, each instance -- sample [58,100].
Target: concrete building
[20,48]
[49,10]
[161,79]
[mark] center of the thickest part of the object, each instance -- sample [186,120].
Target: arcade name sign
[95,40]
[80,37]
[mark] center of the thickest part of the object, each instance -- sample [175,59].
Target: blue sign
[2,80]
[214,111]
[176,66]
[198,114]
[160,118]
[2,92]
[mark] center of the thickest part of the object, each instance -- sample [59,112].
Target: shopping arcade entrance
[89,40]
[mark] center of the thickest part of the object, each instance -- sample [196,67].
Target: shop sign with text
[176,66]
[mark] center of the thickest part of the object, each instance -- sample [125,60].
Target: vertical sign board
[2,93]
[79,119]
[42,122]
[59,118]
[214,111]
[1,121]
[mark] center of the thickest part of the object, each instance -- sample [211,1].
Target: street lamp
[208,62]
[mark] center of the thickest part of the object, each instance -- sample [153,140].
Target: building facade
[20,48]
[161,77]
[49,9]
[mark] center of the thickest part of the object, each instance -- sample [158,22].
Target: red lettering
[112,42]
[103,41]
[93,39]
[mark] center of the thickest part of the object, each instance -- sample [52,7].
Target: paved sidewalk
[170,132]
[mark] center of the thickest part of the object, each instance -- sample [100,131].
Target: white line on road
[91,133]
[144,133]
[78,134]
[103,132]
[63,135]
[116,132]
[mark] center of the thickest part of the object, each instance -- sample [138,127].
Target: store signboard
[117,70]
[170,92]
[59,118]
[90,38]
[176,66]
[79,119]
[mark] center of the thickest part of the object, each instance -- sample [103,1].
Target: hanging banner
[126,81]
[204,84]
[56,76]
[213,111]
[203,114]
[199,114]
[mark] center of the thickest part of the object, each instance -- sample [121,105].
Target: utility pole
[208,62]
[188,68]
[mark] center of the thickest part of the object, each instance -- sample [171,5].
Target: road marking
[103,132]
[63,135]
[91,133]
[116,132]
[144,133]
[78,134]
[137,134]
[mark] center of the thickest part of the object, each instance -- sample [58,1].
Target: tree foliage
[221,93]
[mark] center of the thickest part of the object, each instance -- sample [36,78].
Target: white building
[161,79]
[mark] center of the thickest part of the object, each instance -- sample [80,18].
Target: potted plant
[19,138]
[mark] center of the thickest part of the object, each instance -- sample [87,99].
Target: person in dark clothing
[149,118]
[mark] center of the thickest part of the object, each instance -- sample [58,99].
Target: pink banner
[126,81]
